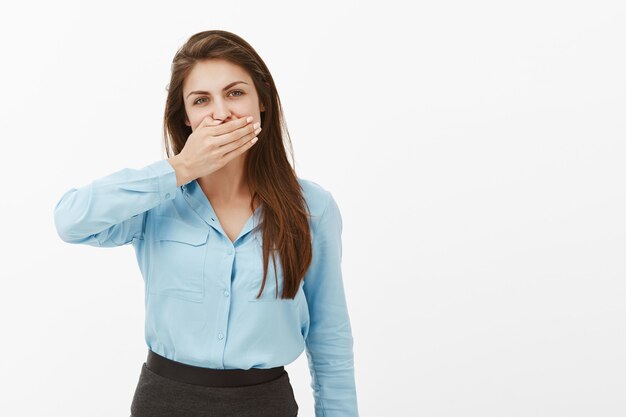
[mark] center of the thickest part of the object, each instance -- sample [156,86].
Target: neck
[228,184]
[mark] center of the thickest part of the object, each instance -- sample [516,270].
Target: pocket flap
[170,228]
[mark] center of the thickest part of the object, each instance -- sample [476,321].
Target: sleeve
[329,342]
[110,211]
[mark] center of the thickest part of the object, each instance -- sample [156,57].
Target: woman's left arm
[329,342]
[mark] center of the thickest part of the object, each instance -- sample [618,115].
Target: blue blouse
[200,287]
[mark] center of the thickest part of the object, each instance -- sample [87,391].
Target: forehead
[214,74]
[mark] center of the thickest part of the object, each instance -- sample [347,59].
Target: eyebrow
[224,89]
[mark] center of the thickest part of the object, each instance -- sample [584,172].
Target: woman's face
[212,90]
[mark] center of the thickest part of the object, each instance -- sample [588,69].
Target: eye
[233,91]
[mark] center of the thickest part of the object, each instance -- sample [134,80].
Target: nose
[219,111]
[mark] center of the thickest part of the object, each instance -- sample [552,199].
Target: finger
[230,145]
[237,136]
[218,129]
[239,149]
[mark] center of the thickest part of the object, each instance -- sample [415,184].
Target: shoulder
[316,196]
[319,199]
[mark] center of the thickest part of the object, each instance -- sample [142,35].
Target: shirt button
[167,195]
[226,293]
[230,251]
[220,336]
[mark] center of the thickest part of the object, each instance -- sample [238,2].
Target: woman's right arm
[110,211]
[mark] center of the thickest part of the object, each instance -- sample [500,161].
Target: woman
[221,321]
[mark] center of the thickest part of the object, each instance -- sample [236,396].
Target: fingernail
[249,119]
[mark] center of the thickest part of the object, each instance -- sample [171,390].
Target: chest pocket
[178,256]
[269,291]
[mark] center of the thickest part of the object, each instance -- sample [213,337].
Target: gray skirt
[157,396]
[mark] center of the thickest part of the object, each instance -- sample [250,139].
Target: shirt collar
[199,202]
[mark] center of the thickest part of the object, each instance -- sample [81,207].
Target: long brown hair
[285,215]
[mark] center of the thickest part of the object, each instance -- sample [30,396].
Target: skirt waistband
[197,375]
